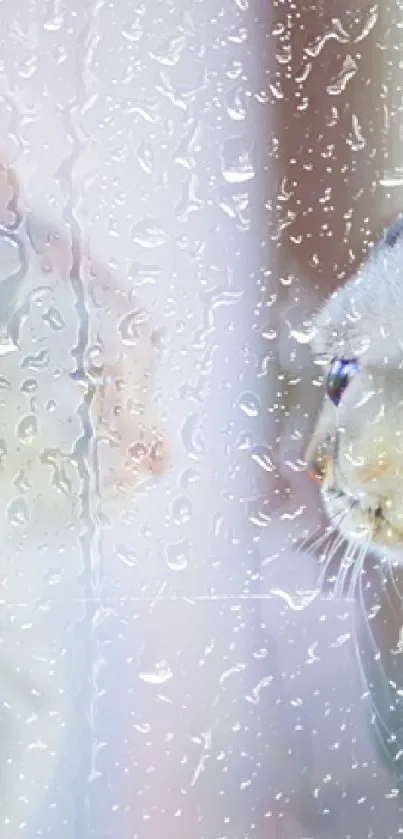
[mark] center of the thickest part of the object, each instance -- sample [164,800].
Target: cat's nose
[316,467]
[317,461]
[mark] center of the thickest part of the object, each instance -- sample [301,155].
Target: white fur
[364,317]
[361,440]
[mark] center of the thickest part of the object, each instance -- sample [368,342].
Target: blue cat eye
[340,372]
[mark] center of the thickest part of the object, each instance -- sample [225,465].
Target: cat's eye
[340,372]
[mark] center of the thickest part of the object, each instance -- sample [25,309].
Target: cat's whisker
[368,616]
[338,518]
[346,565]
[356,558]
[327,558]
[395,585]
[361,553]
[311,539]
[351,566]
[332,549]
[313,544]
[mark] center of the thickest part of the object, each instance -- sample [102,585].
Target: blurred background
[233,161]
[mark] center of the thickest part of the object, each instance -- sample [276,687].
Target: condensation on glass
[193,178]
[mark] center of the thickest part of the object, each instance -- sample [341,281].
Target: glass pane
[181,184]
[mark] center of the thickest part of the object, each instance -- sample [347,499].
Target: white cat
[357,447]
[356,455]
[77,432]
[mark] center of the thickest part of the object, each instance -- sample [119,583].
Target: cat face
[356,451]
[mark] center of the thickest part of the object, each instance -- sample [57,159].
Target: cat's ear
[391,234]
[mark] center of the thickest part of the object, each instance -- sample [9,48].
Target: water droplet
[178,555]
[191,437]
[189,201]
[36,361]
[302,337]
[53,578]
[3,452]
[138,451]
[145,274]
[276,90]
[236,105]
[133,326]
[337,32]
[261,455]
[369,23]
[244,441]
[54,319]
[188,145]
[126,556]
[55,23]
[62,481]
[240,173]
[190,478]
[17,512]
[145,157]
[269,333]
[7,344]
[159,676]
[237,166]
[134,31]
[226,674]
[249,404]
[146,108]
[29,386]
[238,36]
[22,483]
[254,697]
[28,428]
[392,179]
[169,53]
[234,69]
[149,234]
[236,206]
[357,140]
[283,54]
[297,602]
[342,639]
[348,70]
[217,524]
[181,510]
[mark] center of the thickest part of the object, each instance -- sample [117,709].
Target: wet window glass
[188,645]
